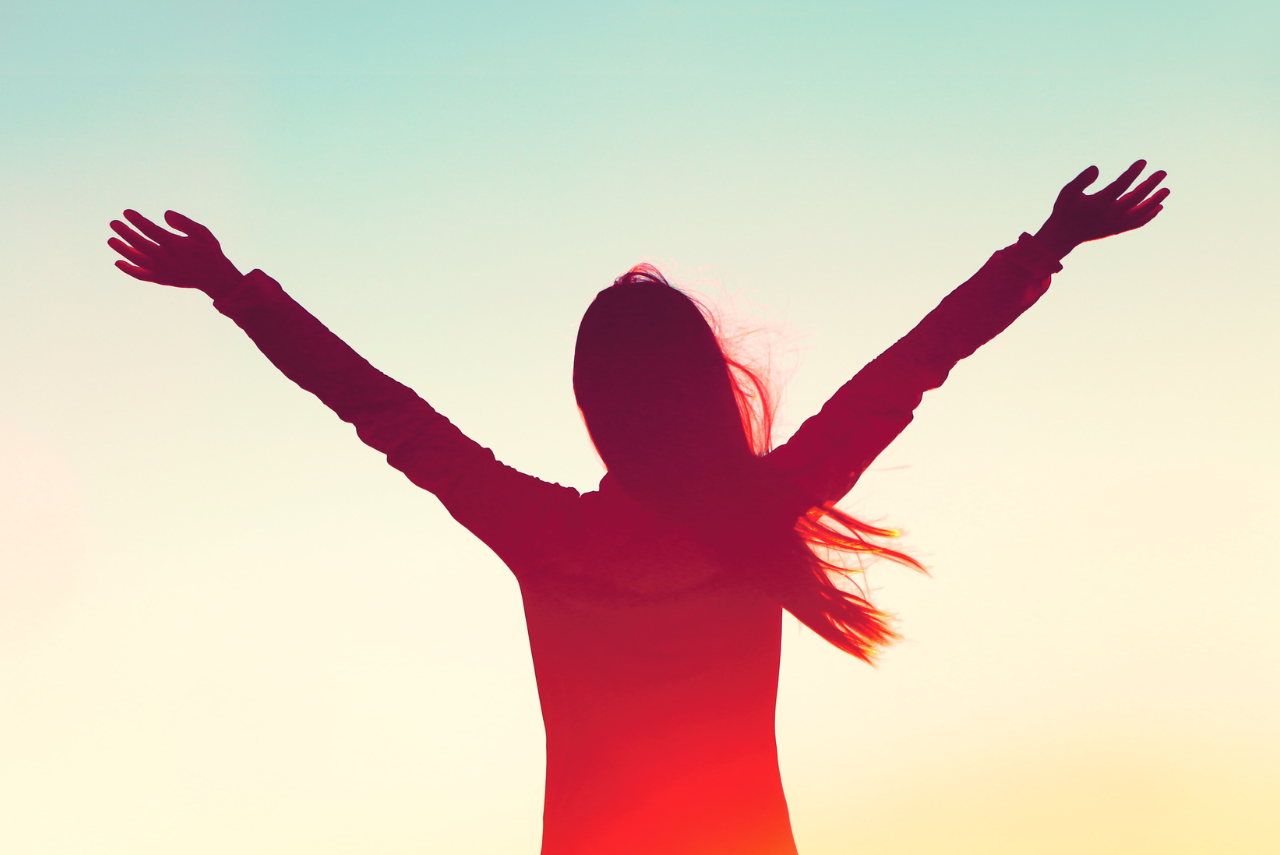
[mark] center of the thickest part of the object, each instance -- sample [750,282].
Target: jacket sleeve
[520,517]
[830,451]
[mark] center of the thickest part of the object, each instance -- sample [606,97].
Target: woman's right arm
[831,450]
[387,415]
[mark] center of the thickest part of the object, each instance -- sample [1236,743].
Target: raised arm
[830,451]
[387,415]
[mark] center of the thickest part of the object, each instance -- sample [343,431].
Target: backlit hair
[685,428]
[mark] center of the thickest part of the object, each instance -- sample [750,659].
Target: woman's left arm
[520,517]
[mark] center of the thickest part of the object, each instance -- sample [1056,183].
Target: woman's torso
[658,676]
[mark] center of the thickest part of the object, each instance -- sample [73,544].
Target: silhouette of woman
[654,604]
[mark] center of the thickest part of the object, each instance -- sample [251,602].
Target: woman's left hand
[1078,217]
[190,260]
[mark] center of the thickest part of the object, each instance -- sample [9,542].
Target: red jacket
[657,673]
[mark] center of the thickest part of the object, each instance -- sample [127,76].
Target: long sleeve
[830,451]
[520,517]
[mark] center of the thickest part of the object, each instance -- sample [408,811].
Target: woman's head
[655,388]
[683,428]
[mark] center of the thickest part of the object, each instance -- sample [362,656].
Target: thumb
[189,227]
[1081,181]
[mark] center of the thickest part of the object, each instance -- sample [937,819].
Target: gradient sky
[226,626]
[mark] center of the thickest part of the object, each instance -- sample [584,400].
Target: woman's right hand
[1079,217]
[193,259]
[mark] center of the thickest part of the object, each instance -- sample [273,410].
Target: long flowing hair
[685,427]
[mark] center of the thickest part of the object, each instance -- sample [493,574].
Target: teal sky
[227,626]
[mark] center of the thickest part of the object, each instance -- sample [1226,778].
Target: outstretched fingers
[1154,203]
[1139,193]
[1113,190]
[135,240]
[150,229]
[1146,215]
[1145,212]
[138,272]
[131,255]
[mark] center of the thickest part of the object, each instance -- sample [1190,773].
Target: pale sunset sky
[226,626]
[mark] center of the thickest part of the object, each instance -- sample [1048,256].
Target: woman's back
[658,673]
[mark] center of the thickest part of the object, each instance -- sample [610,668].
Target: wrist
[1055,240]
[217,287]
